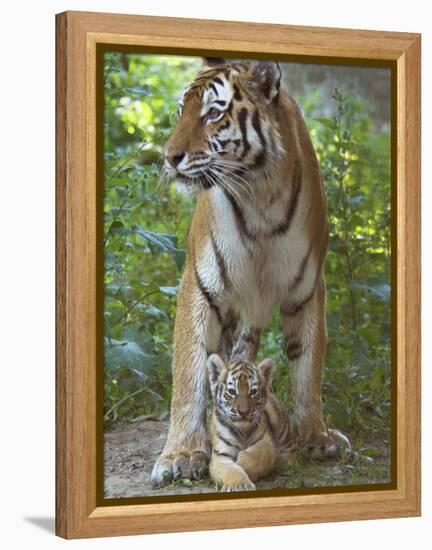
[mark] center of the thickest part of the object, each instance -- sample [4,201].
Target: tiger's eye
[232,392]
[213,113]
[254,392]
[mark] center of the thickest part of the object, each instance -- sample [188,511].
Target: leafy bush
[145,233]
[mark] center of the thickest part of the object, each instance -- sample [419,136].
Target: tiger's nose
[243,412]
[175,158]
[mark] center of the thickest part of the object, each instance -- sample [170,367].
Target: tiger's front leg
[229,475]
[258,460]
[305,334]
[197,332]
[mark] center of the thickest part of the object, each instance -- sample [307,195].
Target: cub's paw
[332,444]
[180,465]
[235,487]
[237,481]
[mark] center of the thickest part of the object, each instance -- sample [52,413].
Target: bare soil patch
[131,450]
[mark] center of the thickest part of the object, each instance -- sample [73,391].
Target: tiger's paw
[328,445]
[237,487]
[237,481]
[180,465]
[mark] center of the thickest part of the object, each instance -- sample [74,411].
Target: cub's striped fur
[250,431]
[257,242]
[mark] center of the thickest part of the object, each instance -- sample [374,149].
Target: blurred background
[347,110]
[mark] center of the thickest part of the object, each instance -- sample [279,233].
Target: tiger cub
[250,431]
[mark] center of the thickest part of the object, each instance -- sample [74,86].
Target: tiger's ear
[266,76]
[215,367]
[213,61]
[266,369]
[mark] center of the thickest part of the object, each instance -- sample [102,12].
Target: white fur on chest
[261,273]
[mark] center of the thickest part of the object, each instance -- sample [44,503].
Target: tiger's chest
[263,265]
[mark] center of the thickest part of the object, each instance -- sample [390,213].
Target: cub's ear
[213,61]
[215,367]
[266,369]
[266,75]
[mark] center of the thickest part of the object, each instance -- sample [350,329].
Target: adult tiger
[257,241]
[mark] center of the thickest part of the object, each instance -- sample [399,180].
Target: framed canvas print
[238,274]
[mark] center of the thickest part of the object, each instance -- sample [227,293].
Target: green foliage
[355,161]
[145,234]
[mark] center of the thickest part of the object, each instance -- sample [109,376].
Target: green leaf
[355,200]
[144,91]
[379,290]
[327,122]
[126,354]
[161,241]
[370,451]
[169,290]
[118,228]
[155,311]
[180,258]
[122,191]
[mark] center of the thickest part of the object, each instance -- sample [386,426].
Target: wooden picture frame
[78,510]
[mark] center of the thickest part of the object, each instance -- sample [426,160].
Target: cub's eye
[213,114]
[232,392]
[254,392]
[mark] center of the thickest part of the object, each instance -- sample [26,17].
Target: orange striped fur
[250,431]
[257,244]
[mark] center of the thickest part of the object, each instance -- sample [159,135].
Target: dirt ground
[131,450]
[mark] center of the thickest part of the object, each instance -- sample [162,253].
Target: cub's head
[226,128]
[239,389]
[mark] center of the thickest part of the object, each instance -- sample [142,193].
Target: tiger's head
[227,127]
[240,389]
